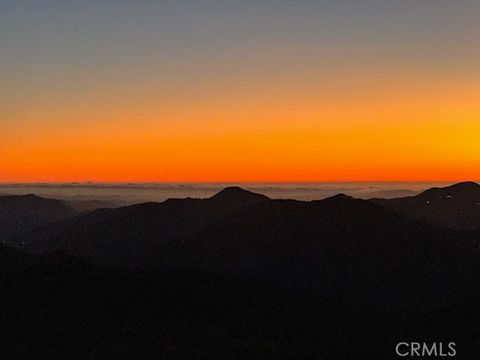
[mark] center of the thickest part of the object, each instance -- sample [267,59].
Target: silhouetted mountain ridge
[339,245]
[136,229]
[236,193]
[238,276]
[456,206]
[25,212]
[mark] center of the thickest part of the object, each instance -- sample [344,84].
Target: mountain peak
[237,193]
[464,190]
[338,198]
[232,190]
[465,186]
[31,197]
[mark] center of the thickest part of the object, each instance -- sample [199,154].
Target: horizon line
[89,182]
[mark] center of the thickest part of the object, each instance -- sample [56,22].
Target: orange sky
[344,140]
[396,129]
[312,91]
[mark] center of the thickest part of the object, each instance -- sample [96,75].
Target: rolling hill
[456,206]
[23,213]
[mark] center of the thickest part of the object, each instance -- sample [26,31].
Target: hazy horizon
[128,193]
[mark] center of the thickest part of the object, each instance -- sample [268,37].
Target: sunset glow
[304,93]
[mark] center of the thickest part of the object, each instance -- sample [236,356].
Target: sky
[230,90]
